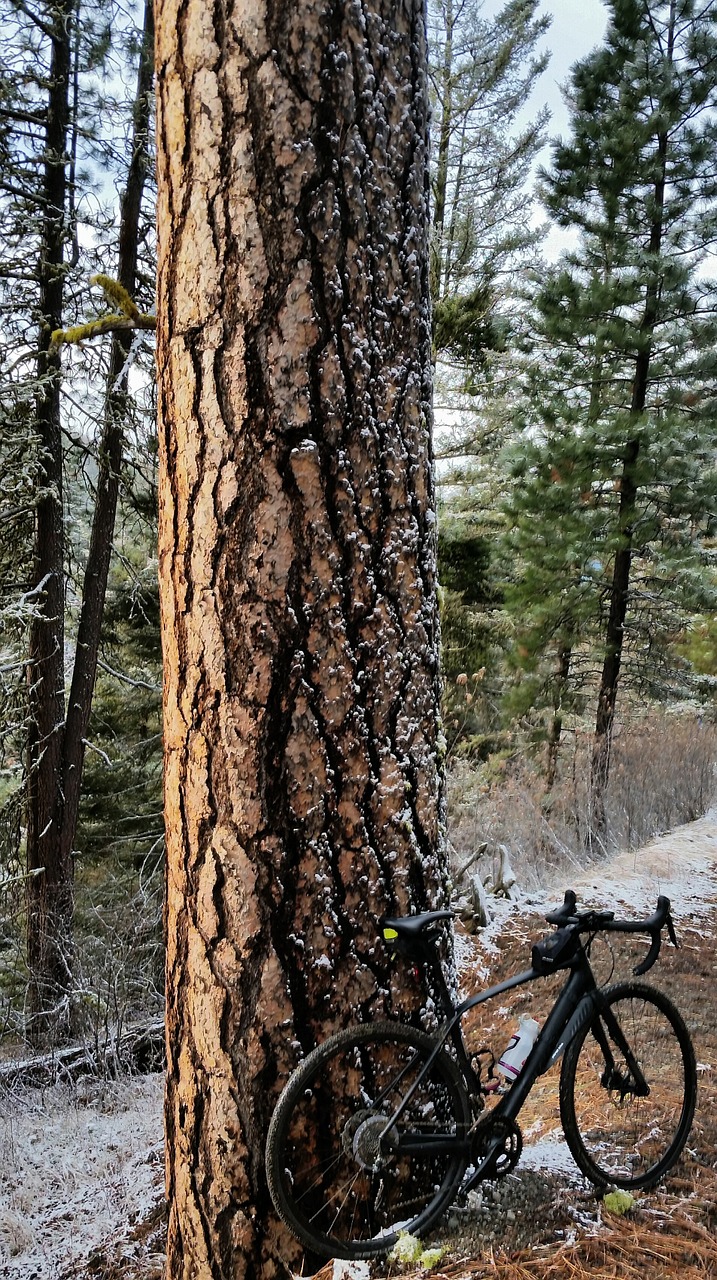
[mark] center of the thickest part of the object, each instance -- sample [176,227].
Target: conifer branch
[127,316]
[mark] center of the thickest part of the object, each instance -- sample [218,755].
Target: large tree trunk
[49,897]
[303,751]
[55,772]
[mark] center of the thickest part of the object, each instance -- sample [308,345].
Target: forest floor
[81,1186]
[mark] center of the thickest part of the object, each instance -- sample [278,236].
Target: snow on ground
[550,1154]
[77,1163]
[80,1162]
[682,865]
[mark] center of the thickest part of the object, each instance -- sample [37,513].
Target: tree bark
[303,751]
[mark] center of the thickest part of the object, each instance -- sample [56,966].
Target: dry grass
[625,1250]
[663,775]
[676,1249]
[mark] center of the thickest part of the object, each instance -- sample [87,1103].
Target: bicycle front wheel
[343,1176]
[628,1087]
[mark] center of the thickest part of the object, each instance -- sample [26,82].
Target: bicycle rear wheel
[628,1087]
[337,1171]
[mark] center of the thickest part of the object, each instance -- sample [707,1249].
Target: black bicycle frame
[574,1006]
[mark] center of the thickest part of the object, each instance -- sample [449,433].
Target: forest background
[575,397]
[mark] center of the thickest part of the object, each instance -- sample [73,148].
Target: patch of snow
[350,1270]
[464,952]
[77,1163]
[473,951]
[550,1154]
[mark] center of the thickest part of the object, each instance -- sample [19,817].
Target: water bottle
[513,1059]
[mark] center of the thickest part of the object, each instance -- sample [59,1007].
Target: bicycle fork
[580,1002]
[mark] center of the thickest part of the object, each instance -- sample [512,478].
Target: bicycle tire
[327,1125]
[616,1137]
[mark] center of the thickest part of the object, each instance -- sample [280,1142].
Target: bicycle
[382,1125]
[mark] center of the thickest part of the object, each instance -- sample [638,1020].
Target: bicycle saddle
[413,928]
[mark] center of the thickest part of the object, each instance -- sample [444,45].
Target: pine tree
[111,446]
[60,122]
[49,907]
[620,422]
[483,71]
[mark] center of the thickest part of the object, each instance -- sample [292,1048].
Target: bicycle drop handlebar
[590,921]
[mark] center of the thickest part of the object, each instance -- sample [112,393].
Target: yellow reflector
[390,934]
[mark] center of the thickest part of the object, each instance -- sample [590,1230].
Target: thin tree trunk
[110,461]
[565,654]
[457,207]
[444,142]
[57,777]
[49,897]
[620,590]
[303,791]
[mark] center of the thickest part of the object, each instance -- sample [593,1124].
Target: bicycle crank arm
[497,1146]
[484,1169]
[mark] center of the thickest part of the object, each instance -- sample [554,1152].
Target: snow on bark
[304,794]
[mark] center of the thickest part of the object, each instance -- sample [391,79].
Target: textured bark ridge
[297,558]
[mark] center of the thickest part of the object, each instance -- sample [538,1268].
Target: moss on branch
[126,316]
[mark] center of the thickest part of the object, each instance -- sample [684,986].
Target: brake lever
[671,931]
[564,914]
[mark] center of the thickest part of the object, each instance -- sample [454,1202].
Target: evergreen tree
[120,811]
[473,635]
[482,73]
[60,121]
[616,483]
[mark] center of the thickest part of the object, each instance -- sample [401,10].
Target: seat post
[433,961]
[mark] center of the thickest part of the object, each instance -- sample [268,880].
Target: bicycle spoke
[617,1133]
[325,1168]
[342,1178]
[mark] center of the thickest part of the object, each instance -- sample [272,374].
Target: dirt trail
[682,865]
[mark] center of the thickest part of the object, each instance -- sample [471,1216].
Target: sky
[578,26]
